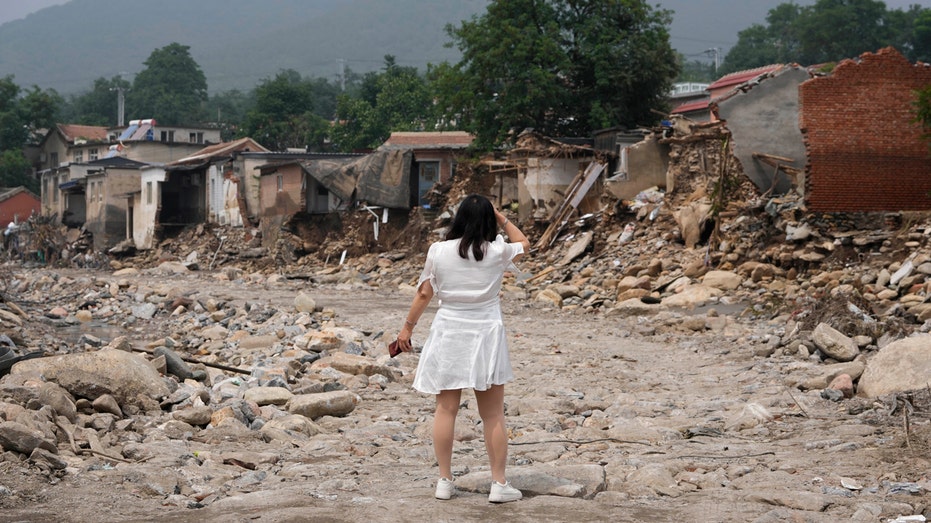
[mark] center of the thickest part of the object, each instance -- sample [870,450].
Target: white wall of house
[251,180]
[545,175]
[222,198]
[145,213]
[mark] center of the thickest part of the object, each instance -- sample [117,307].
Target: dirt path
[685,423]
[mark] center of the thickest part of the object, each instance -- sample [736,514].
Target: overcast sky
[698,25]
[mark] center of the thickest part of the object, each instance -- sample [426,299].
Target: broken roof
[73,132]
[740,77]
[688,107]
[533,142]
[219,150]
[380,178]
[119,162]
[428,140]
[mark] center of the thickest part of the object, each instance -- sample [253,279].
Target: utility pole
[120,103]
[341,73]
[120,100]
[715,52]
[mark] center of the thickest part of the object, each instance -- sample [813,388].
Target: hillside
[236,42]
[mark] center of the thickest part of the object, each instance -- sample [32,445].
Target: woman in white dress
[467,346]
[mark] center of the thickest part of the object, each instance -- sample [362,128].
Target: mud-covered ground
[682,419]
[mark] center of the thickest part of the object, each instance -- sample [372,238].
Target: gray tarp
[381,178]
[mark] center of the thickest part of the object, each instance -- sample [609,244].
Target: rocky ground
[768,364]
[175,395]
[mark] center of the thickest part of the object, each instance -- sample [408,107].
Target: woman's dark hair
[473,225]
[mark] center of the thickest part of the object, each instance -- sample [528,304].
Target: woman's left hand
[404,339]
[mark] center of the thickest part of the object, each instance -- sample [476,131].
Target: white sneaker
[444,489]
[502,493]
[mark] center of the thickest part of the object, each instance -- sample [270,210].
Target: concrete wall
[146,212]
[107,203]
[289,199]
[543,186]
[250,180]
[865,152]
[647,162]
[54,144]
[159,152]
[765,119]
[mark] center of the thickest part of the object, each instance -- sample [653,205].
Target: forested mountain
[236,42]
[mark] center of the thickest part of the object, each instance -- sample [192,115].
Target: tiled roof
[430,140]
[91,133]
[690,106]
[740,77]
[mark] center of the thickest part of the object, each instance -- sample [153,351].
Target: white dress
[467,346]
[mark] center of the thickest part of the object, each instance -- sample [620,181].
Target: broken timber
[576,192]
[779,163]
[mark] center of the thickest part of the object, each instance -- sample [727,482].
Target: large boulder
[833,343]
[313,406]
[724,280]
[901,366]
[126,376]
[20,438]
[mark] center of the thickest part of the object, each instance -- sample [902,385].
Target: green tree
[287,112]
[829,31]
[172,88]
[23,116]
[913,32]
[395,99]
[832,30]
[695,71]
[562,67]
[13,132]
[227,111]
[15,170]
[99,106]
[923,110]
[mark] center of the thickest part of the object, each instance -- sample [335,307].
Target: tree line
[561,67]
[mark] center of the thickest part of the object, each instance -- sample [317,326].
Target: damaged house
[642,163]
[67,147]
[106,185]
[287,189]
[208,186]
[399,175]
[433,158]
[556,174]
[865,151]
[762,116]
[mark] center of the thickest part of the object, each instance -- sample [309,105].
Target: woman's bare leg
[444,429]
[491,409]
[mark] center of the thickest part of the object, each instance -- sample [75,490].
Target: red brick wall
[20,205]
[864,151]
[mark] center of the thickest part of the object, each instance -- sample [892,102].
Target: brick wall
[20,206]
[864,151]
